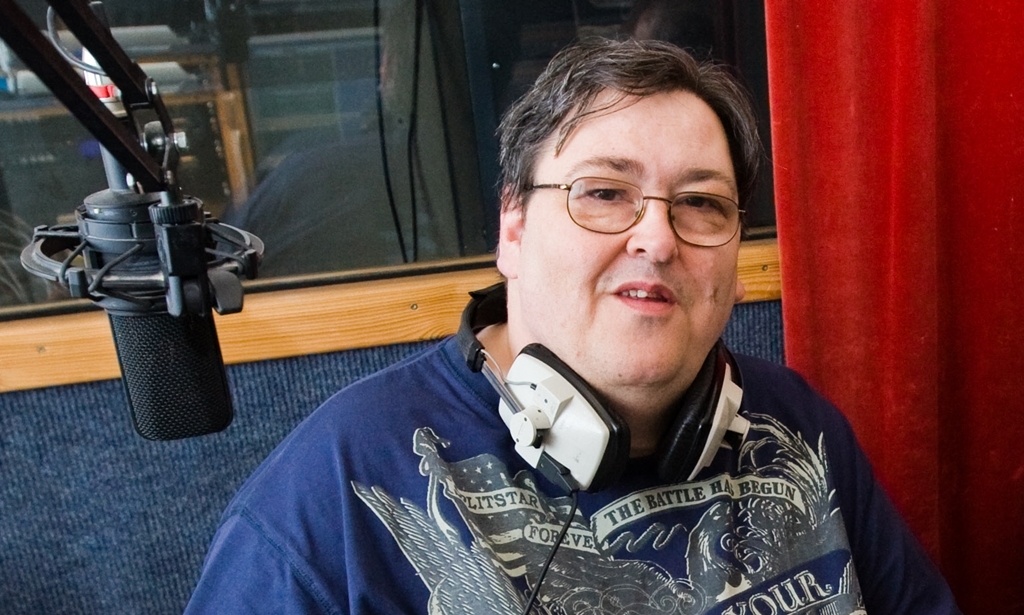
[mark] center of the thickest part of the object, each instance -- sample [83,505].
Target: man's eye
[699,201]
[695,201]
[607,194]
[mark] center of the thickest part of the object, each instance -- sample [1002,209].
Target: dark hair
[563,95]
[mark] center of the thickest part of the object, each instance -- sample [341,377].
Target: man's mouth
[650,295]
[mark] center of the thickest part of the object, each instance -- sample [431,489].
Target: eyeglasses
[611,206]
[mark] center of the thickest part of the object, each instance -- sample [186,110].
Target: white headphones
[562,428]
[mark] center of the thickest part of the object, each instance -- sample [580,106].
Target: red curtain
[898,151]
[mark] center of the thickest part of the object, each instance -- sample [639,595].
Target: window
[346,134]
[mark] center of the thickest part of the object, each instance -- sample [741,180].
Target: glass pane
[346,134]
[348,139]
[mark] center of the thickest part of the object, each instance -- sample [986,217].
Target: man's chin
[649,374]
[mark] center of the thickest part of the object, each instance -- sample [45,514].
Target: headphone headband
[486,307]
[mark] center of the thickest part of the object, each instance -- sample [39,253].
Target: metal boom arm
[29,44]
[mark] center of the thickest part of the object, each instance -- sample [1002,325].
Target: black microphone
[157,269]
[171,365]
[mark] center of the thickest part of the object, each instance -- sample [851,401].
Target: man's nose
[653,235]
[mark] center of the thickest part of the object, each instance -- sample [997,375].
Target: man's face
[636,312]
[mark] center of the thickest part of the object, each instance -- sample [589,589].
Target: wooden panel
[72,348]
[357,315]
[759,269]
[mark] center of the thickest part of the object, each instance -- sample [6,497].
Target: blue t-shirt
[403,494]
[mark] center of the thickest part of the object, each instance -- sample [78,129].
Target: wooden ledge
[71,348]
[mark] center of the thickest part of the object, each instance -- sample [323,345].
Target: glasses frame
[643,207]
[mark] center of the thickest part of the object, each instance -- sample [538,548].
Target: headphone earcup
[681,446]
[615,453]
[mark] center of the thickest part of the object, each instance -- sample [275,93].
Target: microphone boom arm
[178,224]
[137,90]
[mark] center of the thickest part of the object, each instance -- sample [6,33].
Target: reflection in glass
[351,157]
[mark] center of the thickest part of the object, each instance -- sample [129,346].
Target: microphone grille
[173,374]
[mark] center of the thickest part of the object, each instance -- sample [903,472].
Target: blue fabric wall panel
[95,519]
[756,330]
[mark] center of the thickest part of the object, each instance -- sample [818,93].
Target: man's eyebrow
[628,166]
[704,174]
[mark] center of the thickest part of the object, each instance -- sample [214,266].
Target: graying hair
[563,95]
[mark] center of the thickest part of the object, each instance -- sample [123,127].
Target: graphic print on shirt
[765,540]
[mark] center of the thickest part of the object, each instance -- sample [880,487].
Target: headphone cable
[551,556]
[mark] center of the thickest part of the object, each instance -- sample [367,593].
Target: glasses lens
[604,205]
[705,219]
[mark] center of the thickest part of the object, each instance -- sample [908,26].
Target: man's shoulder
[779,391]
[765,376]
[342,440]
[382,410]
[433,375]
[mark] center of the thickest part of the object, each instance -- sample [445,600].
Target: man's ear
[510,233]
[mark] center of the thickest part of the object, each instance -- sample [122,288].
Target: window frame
[414,303]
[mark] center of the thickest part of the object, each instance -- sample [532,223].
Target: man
[624,170]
